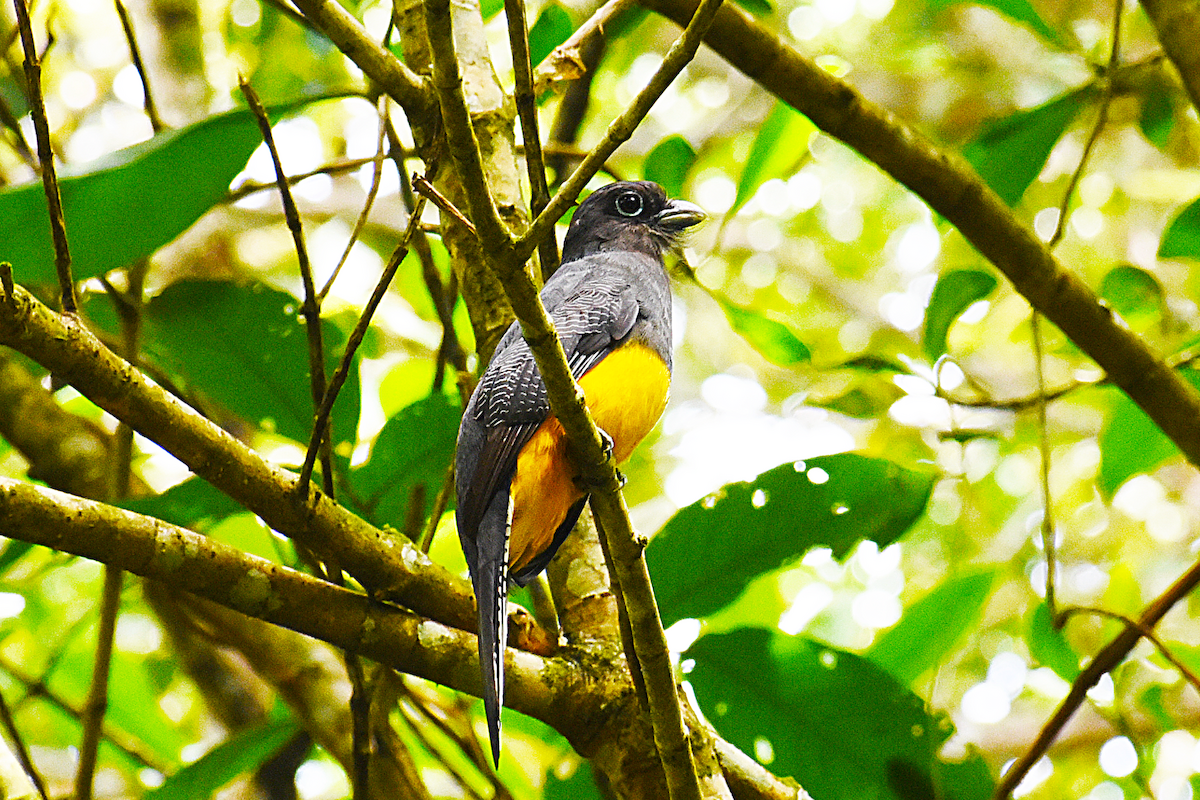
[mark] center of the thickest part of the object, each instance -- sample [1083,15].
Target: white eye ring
[629,204]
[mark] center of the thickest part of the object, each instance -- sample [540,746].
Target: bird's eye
[629,204]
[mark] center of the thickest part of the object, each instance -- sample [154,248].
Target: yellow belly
[626,393]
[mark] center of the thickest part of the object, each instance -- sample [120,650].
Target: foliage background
[831,312]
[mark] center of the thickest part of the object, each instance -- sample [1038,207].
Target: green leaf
[668,164]
[1011,152]
[1019,11]
[580,786]
[932,626]
[13,552]
[1049,647]
[772,339]
[240,754]
[1157,117]
[955,292]
[414,448]
[246,349]
[759,8]
[781,141]
[1131,443]
[1182,237]
[746,529]
[191,504]
[1132,292]
[125,206]
[840,725]
[490,8]
[874,363]
[552,28]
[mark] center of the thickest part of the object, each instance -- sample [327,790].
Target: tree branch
[259,588]
[955,191]
[1178,25]
[403,85]
[696,23]
[388,565]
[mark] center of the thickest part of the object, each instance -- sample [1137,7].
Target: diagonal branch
[1178,25]
[460,133]
[388,565]
[403,85]
[259,588]
[955,191]
[697,22]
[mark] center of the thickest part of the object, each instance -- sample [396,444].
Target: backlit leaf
[1131,443]
[1017,10]
[781,142]
[552,28]
[954,293]
[772,339]
[932,626]
[1011,152]
[1049,647]
[668,164]
[1182,237]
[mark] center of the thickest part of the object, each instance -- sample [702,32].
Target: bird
[518,495]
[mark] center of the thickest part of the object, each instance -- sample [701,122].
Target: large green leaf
[125,206]
[747,529]
[246,349]
[932,626]
[1017,10]
[772,339]
[1011,152]
[414,448]
[954,293]
[837,723]
[668,164]
[240,754]
[1182,237]
[1131,443]
[781,141]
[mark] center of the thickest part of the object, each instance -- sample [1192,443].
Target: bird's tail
[491,593]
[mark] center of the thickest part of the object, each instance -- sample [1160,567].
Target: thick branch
[403,85]
[389,565]
[956,192]
[259,588]
[1178,25]
[697,22]
[460,133]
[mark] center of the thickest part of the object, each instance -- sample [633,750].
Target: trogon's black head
[635,216]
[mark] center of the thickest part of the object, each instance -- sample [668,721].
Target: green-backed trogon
[518,494]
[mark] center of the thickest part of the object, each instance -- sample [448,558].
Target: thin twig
[97,701]
[621,128]
[372,193]
[427,189]
[41,127]
[1146,633]
[337,168]
[568,57]
[1105,661]
[535,167]
[356,337]
[135,54]
[311,307]
[14,736]
[439,508]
